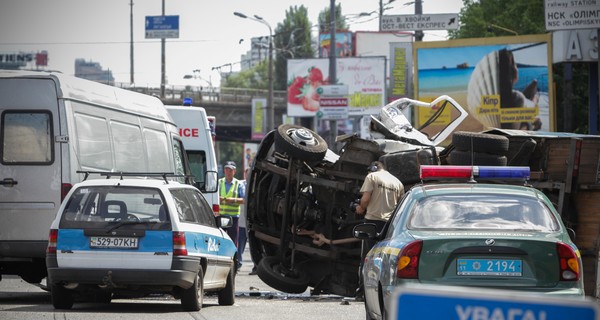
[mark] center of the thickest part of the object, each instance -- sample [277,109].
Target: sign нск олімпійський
[572,14]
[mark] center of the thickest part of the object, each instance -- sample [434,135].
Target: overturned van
[300,217]
[51,127]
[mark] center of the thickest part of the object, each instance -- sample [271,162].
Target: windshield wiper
[128,222]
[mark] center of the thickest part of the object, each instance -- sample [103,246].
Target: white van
[53,125]
[197,135]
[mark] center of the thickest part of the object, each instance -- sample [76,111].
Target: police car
[474,226]
[132,237]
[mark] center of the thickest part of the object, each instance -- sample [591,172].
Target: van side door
[30,164]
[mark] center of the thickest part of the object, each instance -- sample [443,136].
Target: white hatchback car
[132,237]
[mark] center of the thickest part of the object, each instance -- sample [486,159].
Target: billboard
[343,44]
[365,78]
[503,82]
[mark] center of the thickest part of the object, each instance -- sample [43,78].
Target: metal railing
[199,93]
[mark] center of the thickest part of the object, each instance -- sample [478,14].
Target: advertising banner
[258,118]
[401,70]
[502,82]
[365,78]
[343,44]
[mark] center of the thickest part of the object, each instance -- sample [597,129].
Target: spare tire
[480,142]
[458,157]
[300,142]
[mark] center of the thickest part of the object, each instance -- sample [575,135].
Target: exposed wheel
[227,294]
[61,298]
[458,157]
[192,297]
[273,274]
[300,142]
[480,142]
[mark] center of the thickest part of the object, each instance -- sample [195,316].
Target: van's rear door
[30,164]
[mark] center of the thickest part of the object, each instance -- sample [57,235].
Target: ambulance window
[198,167]
[26,138]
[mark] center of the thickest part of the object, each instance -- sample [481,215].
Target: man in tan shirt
[381,191]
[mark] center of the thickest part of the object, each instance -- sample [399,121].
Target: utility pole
[332,69]
[131,42]
[418,10]
[162,60]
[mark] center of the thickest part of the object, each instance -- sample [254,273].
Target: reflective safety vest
[229,209]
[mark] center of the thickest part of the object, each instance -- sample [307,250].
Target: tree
[325,19]
[253,78]
[292,39]
[492,18]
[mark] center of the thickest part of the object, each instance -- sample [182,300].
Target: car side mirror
[365,231]
[211,181]
[224,221]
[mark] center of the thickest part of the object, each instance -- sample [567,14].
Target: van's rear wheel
[193,297]
[273,273]
[61,298]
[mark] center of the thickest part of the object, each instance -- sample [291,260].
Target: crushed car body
[300,218]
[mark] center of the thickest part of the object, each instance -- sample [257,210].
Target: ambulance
[197,133]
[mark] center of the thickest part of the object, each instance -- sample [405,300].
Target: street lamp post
[270,108]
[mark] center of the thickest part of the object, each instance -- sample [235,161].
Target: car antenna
[472,179]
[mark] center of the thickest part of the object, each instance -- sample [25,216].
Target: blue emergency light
[468,172]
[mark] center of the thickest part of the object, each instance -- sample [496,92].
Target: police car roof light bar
[470,172]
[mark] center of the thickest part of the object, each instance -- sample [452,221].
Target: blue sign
[162,27]
[425,303]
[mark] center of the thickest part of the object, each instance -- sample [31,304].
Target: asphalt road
[254,300]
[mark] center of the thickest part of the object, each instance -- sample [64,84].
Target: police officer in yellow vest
[231,196]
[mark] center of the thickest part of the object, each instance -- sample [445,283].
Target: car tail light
[216,209]
[52,240]
[179,248]
[569,263]
[408,260]
[64,189]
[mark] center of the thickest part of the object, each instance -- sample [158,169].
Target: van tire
[227,294]
[193,297]
[314,150]
[458,157]
[269,271]
[61,298]
[480,142]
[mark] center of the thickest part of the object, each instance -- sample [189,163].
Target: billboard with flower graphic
[364,76]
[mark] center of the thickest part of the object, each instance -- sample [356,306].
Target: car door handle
[8,182]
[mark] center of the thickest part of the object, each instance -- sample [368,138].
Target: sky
[210,34]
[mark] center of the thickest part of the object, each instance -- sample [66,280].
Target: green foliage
[253,78]
[325,19]
[493,18]
[293,40]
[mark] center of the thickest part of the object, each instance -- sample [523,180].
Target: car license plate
[489,267]
[114,242]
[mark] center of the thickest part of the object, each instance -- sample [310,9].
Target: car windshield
[104,205]
[481,211]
